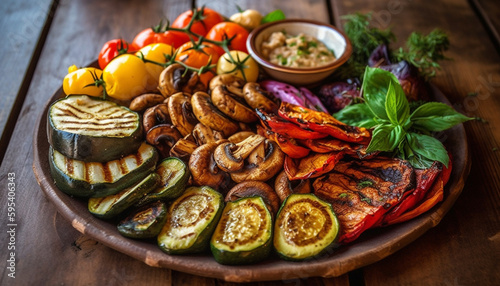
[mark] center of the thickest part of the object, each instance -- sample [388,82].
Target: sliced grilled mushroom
[205,171]
[240,136]
[155,115]
[210,116]
[284,187]
[231,105]
[181,113]
[262,164]
[175,79]
[203,134]
[255,188]
[233,83]
[145,101]
[257,97]
[183,149]
[230,157]
[163,137]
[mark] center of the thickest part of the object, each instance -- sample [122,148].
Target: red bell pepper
[326,145]
[425,179]
[361,192]
[282,126]
[433,196]
[311,166]
[288,145]
[323,123]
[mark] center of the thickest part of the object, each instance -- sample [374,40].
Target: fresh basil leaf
[420,162]
[273,16]
[356,115]
[385,138]
[396,104]
[436,116]
[428,147]
[375,85]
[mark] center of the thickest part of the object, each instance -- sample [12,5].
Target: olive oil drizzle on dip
[300,51]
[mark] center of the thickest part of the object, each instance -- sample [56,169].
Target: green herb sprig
[424,51]
[395,130]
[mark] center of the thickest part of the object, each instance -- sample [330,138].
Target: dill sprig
[363,36]
[424,52]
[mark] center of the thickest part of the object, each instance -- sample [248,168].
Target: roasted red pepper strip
[323,123]
[326,145]
[425,181]
[361,192]
[433,196]
[311,166]
[289,146]
[282,126]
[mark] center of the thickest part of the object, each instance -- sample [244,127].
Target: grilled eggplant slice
[93,130]
[146,222]
[191,221]
[113,205]
[96,179]
[306,227]
[244,232]
[361,192]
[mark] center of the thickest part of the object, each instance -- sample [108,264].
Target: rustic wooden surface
[464,249]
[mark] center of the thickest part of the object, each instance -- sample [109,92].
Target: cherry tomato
[155,52]
[125,77]
[154,35]
[205,20]
[239,59]
[110,50]
[228,30]
[198,56]
[80,81]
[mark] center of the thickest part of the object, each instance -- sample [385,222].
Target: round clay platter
[371,246]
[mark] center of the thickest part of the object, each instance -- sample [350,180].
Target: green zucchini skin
[85,189]
[171,238]
[252,252]
[144,223]
[113,205]
[174,174]
[90,148]
[297,209]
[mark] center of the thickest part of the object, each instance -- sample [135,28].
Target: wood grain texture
[23,25]
[47,253]
[489,11]
[464,248]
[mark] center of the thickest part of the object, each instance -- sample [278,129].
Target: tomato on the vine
[110,50]
[205,19]
[197,55]
[155,35]
[125,77]
[239,64]
[82,81]
[228,30]
[157,53]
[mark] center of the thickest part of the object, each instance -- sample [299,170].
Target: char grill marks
[361,192]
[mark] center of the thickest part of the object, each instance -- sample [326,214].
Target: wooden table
[42,38]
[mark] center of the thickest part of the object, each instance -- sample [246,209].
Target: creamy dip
[300,51]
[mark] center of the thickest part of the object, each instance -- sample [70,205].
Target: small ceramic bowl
[329,35]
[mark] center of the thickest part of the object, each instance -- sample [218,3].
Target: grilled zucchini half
[113,205]
[95,179]
[305,227]
[174,174]
[244,232]
[145,222]
[191,221]
[93,130]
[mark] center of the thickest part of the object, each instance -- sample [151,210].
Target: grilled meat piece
[361,192]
